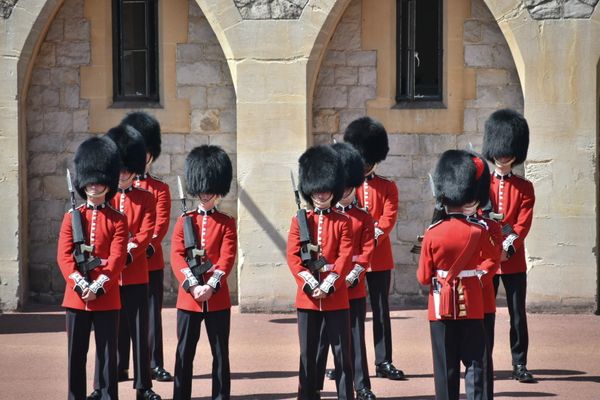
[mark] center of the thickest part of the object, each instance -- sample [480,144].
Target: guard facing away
[319,255]
[505,144]
[139,208]
[363,244]
[457,253]
[379,197]
[203,250]
[149,127]
[92,249]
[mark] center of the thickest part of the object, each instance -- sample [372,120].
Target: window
[419,51]
[135,54]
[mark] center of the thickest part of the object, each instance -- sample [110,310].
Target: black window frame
[406,96]
[152,97]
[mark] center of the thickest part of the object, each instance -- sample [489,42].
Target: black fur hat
[352,164]
[321,171]
[369,137]
[97,161]
[460,178]
[131,148]
[149,127]
[506,135]
[208,170]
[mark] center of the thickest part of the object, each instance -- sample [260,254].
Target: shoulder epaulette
[114,209]
[435,224]
[142,189]
[224,213]
[521,177]
[477,221]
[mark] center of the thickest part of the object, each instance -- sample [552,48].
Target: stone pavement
[564,355]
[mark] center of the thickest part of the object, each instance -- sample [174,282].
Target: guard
[149,127]
[379,197]
[505,144]
[319,255]
[92,248]
[203,250]
[363,244]
[457,252]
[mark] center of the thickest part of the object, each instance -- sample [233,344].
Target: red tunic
[220,245]
[379,196]
[514,197]
[363,244]
[140,209]
[110,244]
[162,196]
[442,245]
[336,248]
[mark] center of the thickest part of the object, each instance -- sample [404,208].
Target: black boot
[387,370]
[160,374]
[95,395]
[365,394]
[123,375]
[146,394]
[521,374]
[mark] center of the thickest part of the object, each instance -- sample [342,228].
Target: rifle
[307,248]
[194,255]
[82,252]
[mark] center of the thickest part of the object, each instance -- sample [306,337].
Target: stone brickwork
[347,79]
[556,9]
[6,7]
[57,121]
[270,9]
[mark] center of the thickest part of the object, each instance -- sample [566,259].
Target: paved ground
[564,355]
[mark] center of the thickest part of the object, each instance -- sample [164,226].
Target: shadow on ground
[31,323]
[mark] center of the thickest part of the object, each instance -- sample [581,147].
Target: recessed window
[419,51]
[135,51]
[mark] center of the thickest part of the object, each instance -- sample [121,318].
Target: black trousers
[379,291]
[454,341]
[358,349]
[489,324]
[218,325]
[337,329]
[155,302]
[133,326]
[79,326]
[515,286]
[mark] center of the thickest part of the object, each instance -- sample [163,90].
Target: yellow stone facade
[270,88]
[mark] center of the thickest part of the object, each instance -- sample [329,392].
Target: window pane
[427,52]
[134,73]
[134,25]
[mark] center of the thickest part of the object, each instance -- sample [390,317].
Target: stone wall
[347,80]
[57,121]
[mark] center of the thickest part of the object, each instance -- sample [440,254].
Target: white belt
[467,273]
[327,267]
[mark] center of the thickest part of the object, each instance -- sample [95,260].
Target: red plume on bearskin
[321,171]
[208,170]
[149,127]
[131,148]
[97,160]
[352,164]
[506,135]
[369,137]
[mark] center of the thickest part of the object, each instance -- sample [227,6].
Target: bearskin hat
[97,160]
[352,164]
[208,170]
[149,127]
[369,137]
[131,148]
[506,135]
[460,178]
[321,170]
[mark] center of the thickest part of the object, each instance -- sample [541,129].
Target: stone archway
[24,25]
